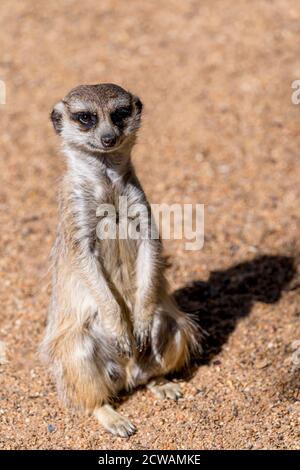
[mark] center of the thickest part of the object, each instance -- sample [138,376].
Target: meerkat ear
[57,116]
[138,104]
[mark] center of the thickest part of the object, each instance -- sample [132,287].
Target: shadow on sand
[229,295]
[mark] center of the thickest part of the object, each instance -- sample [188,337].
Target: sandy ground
[219,129]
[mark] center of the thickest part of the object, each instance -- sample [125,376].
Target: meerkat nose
[108,140]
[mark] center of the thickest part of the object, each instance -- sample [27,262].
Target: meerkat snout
[97,118]
[109,140]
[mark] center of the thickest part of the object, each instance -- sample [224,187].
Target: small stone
[235,411]
[223,169]
[51,428]
[262,364]
[217,362]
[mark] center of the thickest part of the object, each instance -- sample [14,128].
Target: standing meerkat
[111,323]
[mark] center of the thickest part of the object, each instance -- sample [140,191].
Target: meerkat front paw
[142,335]
[124,345]
[143,320]
[120,333]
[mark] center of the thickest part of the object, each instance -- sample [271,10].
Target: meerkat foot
[162,388]
[113,422]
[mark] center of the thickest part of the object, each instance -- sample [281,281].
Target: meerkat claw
[113,422]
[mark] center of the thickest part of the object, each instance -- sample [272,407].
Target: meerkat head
[97,118]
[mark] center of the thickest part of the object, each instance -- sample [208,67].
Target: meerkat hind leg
[163,388]
[113,422]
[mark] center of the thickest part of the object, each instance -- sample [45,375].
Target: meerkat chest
[119,212]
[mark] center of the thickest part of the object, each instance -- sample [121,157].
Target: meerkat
[112,325]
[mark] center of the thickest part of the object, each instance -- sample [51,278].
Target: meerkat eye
[119,114]
[86,119]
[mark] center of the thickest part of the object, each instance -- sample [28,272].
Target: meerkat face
[97,118]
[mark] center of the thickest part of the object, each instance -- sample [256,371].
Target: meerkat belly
[118,258]
[117,238]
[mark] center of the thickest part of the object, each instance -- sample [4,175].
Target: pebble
[51,428]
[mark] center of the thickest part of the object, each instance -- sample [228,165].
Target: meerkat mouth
[103,149]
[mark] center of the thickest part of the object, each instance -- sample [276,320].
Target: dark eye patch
[86,119]
[120,114]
